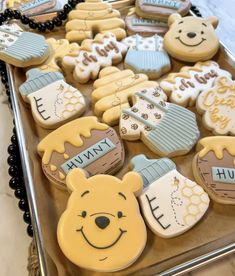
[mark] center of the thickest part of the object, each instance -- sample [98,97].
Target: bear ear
[133,181]
[173,17]
[213,20]
[76,178]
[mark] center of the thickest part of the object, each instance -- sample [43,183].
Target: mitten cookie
[113,90]
[22,49]
[184,87]
[167,129]
[103,51]
[102,228]
[52,100]
[91,18]
[171,203]
[217,105]
[83,143]
[214,167]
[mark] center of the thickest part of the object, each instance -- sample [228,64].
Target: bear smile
[102,247]
[181,41]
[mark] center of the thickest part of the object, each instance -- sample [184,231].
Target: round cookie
[191,38]
[161,9]
[214,167]
[83,143]
[102,228]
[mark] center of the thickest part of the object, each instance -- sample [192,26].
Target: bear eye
[180,31]
[202,32]
[120,214]
[83,214]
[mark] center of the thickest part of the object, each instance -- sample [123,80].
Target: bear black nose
[191,34]
[102,222]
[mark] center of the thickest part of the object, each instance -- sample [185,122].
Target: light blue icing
[28,46]
[37,79]
[147,61]
[89,155]
[33,4]
[163,3]
[151,170]
[176,132]
[148,22]
[224,175]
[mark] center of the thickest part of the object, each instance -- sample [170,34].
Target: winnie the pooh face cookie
[191,38]
[102,228]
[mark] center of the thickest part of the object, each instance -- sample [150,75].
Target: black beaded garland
[30,230]
[27,217]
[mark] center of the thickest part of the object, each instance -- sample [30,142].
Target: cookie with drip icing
[171,203]
[91,18]
[83,143]
[214,167]
[114,88]
[165,128]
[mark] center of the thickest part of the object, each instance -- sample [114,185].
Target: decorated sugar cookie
[184,87]
[113,89]
[214,167]
[102,228]
[91,18]
[144,26]
[218,106]
[33,7]
[146,55]
[170,202]
[20,48]
[93,55]
[52,100]
[191,38]
[167,129]
[83,143]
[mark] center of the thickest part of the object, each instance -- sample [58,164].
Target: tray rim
[185,267]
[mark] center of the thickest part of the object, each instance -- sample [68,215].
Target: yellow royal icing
[53,168]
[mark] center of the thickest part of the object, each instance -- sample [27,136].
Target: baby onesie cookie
[113,90]
[167,129]
[146,55]
[214,167]
[102,228]
[58,49]
[20,48]
[103,51]
[52,100]
[184,87]
[144,26]
[171,203]
[191,38]
[83,143]
[91,18]
[217,104]
[36,6]
[161,9]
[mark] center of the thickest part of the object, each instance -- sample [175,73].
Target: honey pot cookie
[184,87]
[113,90]
[166,129]
[102,228]
[91,18]
[191,38]
[171,203]
[214,167]
[83,143]
[217,105]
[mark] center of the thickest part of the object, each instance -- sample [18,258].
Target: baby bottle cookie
[214,167]
[83,143]
[20,48]
[184,87]
[113,89]
[171,203]
[91,18]
[103,51]
[52,100]
[103,221]
[217,105]
[146,55]
[167,129]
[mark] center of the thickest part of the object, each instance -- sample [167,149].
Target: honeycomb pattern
[72,102]
[197,201]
